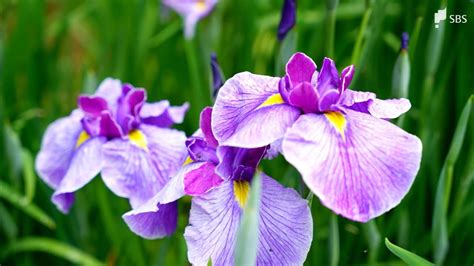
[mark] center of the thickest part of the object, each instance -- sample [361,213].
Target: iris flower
[117,134]
[359,164]
[287,19]
[191,11]
[219,179]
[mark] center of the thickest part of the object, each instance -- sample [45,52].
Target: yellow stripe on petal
[338,121]
[187,161]
[241,192]
[138,139]
[82,138]
[272,100]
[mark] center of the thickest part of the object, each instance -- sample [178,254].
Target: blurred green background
[52,50]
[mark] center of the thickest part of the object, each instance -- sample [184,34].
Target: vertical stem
[330,26]
[198,100]
[334,241]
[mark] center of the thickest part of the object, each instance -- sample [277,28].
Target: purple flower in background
[217,76]
[219,179]
[191,11]
[359,164]
[117,134]
[288,18]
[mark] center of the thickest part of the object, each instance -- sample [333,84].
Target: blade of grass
[28,175]
[443,191]
[334,246]
[51,246]
[247,235]
[407,256]
[10,195]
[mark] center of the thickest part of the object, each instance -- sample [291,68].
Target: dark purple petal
[129,109]
[304,96]
[300,68]
[404,41]
[205,125]
[108,127]
[85,164]
[328,77]
[57,148]
[288,18]
[92,106]
[328,99]
[217,76]
[201,180]
[247,112]
[358,166]
[200,151]
[238,163]
[138,169]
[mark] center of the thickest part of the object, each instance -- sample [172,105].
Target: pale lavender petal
[389,109]
[138,173]
[111,90]
[161,114]
[274,150]
[361,173]
[57,148]
[238,119]
[300,68]
[350,97]
[85,164]
[285,225]
[156,224]
[213,222]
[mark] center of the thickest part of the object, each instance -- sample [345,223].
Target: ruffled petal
[240,117]
[213,222]
[366,102]
[57,148]
[154,220]
[161,114]
[359,166]
[86,163]
[285,225]
[111,90]
[138,170]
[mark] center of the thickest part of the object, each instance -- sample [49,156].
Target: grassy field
[53,50]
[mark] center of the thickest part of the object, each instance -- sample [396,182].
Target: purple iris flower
[219,179]
[288,18]
[191,11]
[359,164]
[115,133]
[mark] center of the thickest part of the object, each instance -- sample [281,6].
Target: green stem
[198,100]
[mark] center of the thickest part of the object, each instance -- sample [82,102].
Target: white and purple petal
[285,226]
[246,115]
[57,148]
[359,166]
[138,172]
[161,114]
[85,164]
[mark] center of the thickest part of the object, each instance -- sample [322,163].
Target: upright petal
[205,126]
[111,90]
[248,112]
[57,148]
[238,163]
[300,68]
[139,168]
[217,75]
[328,78]
[285,226]
[86,163]
[359,166]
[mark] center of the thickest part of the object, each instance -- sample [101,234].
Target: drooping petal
[238,163]
[288,18]
[57,148]
[138,167]
[161,114]
[248,112]
[150,219]
[366,102]
[359,166]
[85,164]
[300,68]
[285,226]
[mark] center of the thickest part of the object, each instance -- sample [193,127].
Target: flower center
[241,192]
[138,139]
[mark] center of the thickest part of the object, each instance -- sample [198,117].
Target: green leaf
[29,175]
[19,201]
[334,246]
[443,191]
[407,256]
[247,235]
[51,246]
